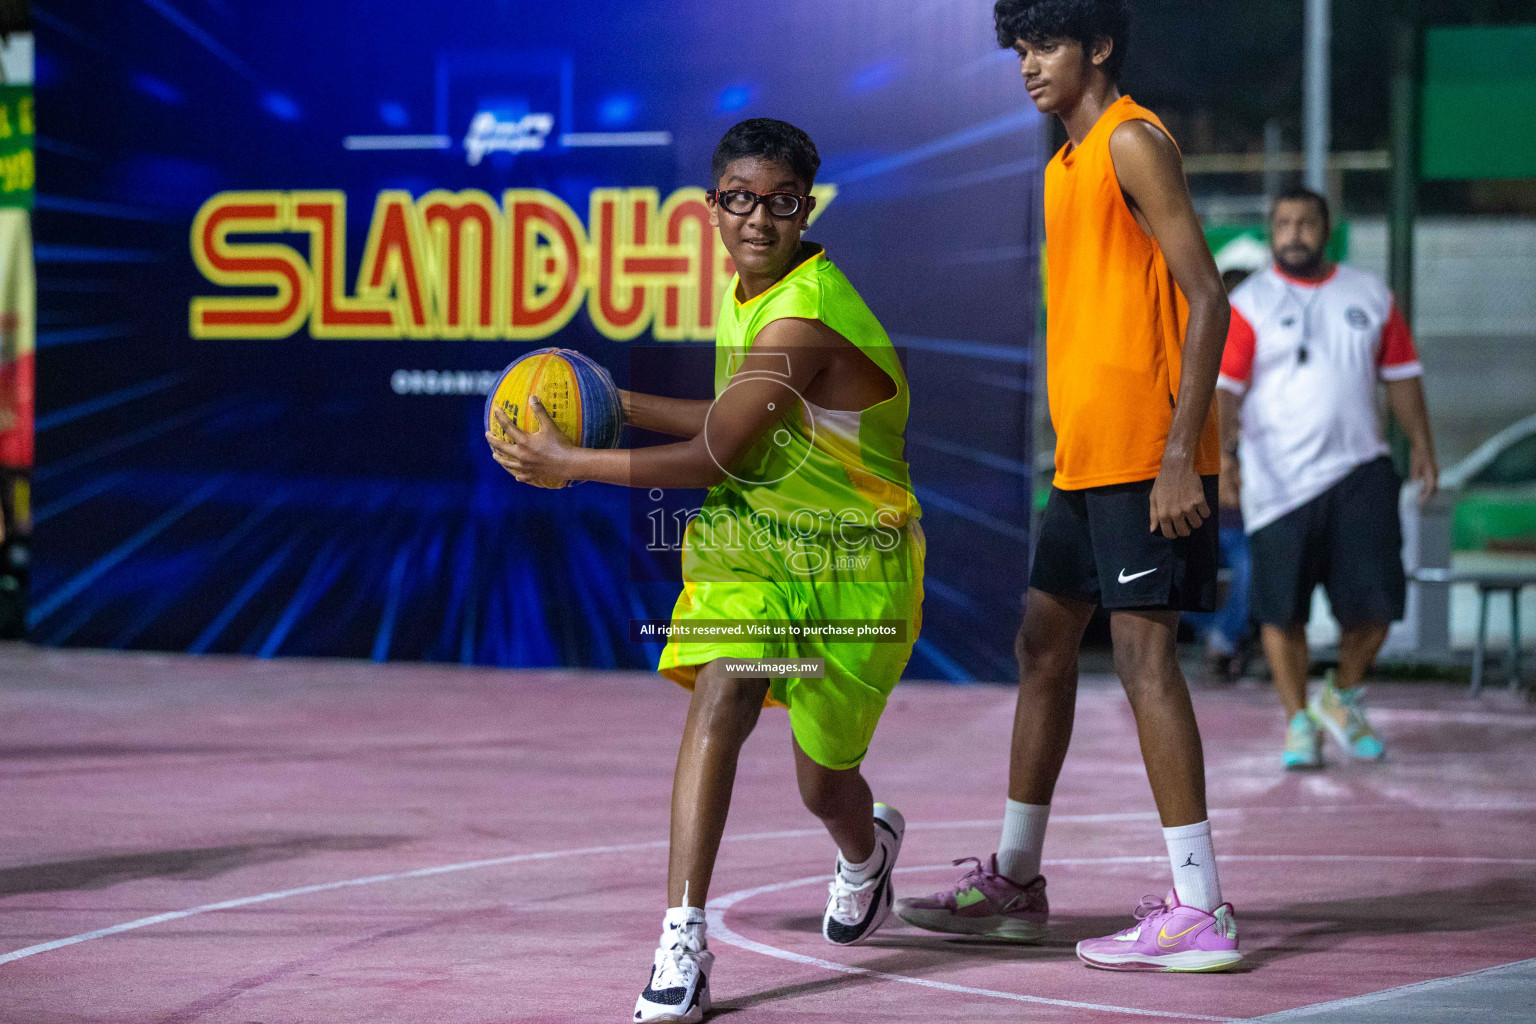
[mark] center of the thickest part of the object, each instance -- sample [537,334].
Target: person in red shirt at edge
[1303,450]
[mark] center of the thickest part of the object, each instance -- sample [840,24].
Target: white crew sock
[858,874]
[1194,865]
[688,920]
[1018,854]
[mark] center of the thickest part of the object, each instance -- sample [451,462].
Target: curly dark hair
[1035,21]
[768,139]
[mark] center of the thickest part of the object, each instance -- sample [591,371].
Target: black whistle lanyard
[1303,352]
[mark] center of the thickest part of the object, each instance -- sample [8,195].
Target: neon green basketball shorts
[833,718]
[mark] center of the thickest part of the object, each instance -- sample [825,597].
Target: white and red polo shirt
[1305,357]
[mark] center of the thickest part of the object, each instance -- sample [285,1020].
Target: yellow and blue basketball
[578,394]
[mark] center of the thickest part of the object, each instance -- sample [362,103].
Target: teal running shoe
[1342,713]
[1303,743]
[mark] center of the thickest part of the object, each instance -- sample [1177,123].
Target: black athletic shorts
[1095,546]
[1349,539]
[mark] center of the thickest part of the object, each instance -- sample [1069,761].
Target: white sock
[1018,854]
[1194,865]
[858,874]
[688,920]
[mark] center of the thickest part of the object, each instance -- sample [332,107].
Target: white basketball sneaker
[678,989]
[855,910]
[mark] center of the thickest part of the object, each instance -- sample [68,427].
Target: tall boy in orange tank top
[1136,322]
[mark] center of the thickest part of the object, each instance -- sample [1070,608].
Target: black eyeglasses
[742,202]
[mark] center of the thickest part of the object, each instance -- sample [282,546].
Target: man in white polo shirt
[1303,447]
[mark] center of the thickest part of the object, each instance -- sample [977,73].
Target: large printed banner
[462,265]
[284,248]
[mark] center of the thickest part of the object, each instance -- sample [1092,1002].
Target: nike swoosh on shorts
[1135,576]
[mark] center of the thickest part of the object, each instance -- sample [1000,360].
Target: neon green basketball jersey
[819,465]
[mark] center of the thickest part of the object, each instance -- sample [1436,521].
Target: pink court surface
[232,841]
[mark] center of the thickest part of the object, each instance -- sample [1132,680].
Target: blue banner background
[279,497]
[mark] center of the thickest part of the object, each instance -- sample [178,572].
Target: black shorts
[1349,539]
[1095,546]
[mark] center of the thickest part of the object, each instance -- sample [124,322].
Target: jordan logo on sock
[1190,863]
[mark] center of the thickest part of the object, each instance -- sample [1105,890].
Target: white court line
[267,897]
[718,929]
[1302,1012]
[305,890]
[1465,806]
[1288,858]
[1411,716]
[443,869]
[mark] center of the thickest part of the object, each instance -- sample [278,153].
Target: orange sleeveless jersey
[1114,339]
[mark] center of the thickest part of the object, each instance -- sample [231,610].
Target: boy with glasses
[810,518]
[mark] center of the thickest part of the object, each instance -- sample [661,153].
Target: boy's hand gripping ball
[578,394]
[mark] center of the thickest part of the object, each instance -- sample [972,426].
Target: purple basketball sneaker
[983,902]
[1168,936]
